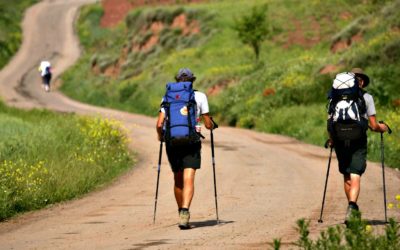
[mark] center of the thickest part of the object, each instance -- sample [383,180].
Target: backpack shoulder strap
[362,103]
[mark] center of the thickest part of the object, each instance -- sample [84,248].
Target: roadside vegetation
[359,234]
[11,14]
[284,92]
[47,157]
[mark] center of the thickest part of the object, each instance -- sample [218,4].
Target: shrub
[11,13]
[47,157]
[358,235]
[252,28]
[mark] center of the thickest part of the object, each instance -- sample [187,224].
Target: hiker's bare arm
[159,126]
[375,126]
[207,121]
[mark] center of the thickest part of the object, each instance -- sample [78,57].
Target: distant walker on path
[45,72]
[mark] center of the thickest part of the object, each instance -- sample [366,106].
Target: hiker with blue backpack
[178,125]
[351,111]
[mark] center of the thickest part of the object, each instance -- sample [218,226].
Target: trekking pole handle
[326,145]
[389,130]
[215,124]
[202,136]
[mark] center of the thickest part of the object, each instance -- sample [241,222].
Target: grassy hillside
[47,157]
[285,92]
[11,14]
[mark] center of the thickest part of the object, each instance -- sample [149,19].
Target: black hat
[359,73]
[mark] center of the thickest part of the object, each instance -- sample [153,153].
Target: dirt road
[265,182]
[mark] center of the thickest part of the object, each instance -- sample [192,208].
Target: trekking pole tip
[320,221]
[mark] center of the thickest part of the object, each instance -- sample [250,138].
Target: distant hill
[127,65]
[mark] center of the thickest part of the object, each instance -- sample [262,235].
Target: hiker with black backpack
[45,73]
[351,111]
[178,124]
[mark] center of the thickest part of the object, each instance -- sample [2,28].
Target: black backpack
[347,109]
[47,70]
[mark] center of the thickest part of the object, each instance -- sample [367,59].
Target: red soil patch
[156,27]
[116,10]
[298,35]
[329,69]
[396,103]
[346,15]
[341,45]
[217,88]
[269,91]
[187,28]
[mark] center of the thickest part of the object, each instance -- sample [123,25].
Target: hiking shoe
[184,217]
[352,212]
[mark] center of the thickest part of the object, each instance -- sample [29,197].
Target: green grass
[288,72]
[47,157]
[11,14]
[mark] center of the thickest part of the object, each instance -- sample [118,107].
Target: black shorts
[353,158]
[46,79]
[181,157]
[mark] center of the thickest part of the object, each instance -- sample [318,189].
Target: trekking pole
[326,181]
[158,180]
[383,168]
[213,163]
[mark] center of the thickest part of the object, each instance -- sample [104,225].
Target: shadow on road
[150,243]
[376,222]
[208,223]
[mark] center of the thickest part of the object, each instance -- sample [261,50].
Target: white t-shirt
[43,66]
[369,102]
[201,101]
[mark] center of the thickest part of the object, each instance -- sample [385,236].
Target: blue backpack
[346,109]
[180,114]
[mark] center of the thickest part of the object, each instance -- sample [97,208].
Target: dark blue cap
[184,72]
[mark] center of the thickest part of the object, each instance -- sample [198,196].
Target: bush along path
[48,158]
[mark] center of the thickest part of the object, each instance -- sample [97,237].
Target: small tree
[252,28]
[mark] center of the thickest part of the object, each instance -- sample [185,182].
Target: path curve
[265,182]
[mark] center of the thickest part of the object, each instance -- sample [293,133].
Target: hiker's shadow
[376,222]
[209,223]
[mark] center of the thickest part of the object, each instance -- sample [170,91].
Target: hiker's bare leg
[178,188]
[188,187]
[352,187]
[347,186]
